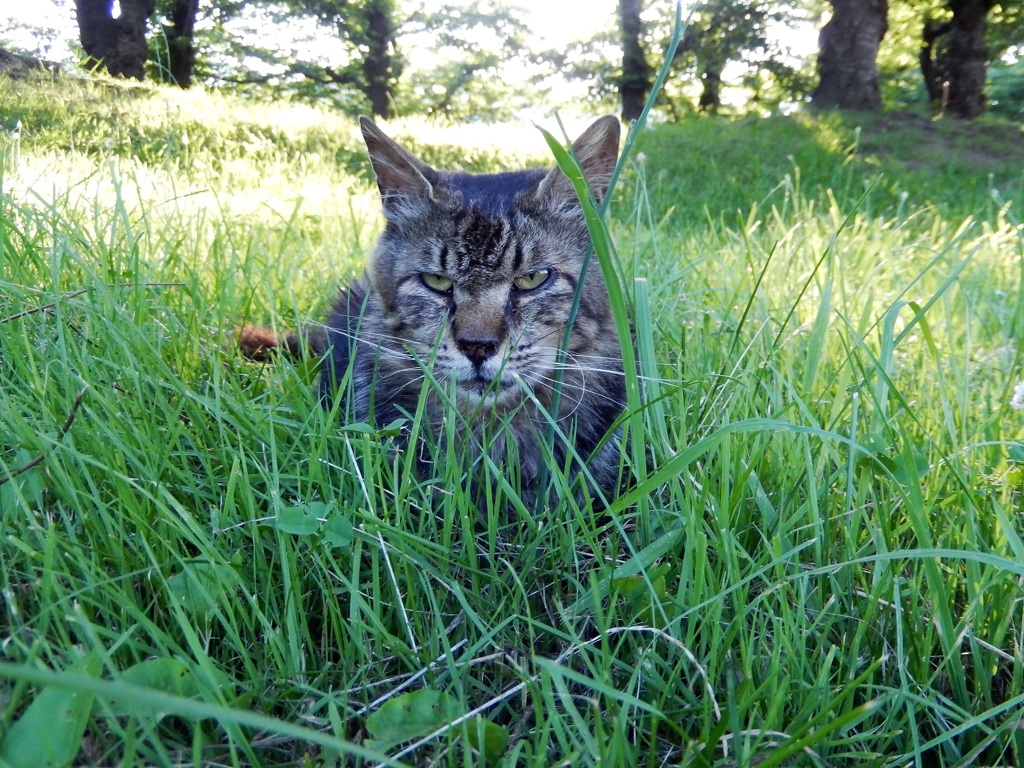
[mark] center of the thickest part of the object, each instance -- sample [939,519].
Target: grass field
[821,562]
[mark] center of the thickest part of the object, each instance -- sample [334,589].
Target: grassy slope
[822,564]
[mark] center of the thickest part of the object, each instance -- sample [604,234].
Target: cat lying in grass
[470,286]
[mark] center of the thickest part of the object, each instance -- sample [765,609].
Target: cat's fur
[457,285]
[473,280]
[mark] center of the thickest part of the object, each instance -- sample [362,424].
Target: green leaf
[412,715]
[299,520]
[911,467]
[643,593]
[166,674]
[49,733]
[28,483]
[338,532]
[487,738]
[359,428]
[392,429]
[197,586]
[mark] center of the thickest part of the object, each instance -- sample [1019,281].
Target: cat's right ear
[401,176]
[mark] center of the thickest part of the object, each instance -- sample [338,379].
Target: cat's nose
[478,350]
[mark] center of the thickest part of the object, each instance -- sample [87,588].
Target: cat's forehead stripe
[482,239]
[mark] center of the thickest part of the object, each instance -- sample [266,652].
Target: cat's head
[476,274]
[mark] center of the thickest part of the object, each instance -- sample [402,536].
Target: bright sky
[562,21]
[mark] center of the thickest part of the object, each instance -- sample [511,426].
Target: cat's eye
[435,282]
[532,280]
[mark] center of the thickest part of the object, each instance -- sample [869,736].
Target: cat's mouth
[497,391]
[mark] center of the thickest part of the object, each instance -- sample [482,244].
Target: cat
[471,284]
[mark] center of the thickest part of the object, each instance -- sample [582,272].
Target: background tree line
[961,55]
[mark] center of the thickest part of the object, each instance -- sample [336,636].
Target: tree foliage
[720,33]
[943,50]
[460,50]
[724,32]
[368,30]
[453,59]
[470,47]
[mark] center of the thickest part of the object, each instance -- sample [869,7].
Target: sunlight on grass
[819,565]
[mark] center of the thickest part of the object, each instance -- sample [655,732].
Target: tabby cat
[471,284]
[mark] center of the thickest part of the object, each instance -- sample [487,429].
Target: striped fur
[472,280]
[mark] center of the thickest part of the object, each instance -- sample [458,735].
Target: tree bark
[847,52]
[934,79]
[117,44]
[379,64]
[635,82]
[954,59]
[180,48]
[711,93]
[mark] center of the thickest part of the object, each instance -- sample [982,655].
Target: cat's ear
[597,150]
[401,176]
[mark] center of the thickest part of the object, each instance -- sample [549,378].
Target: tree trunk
[179,33]
[380,65]
[847,52]
[954,59]
[119,45]
[635,82]
[710,96]
[934,79]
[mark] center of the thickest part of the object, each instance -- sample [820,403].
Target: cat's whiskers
[380,343]
[552,384]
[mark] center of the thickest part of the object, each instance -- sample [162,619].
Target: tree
[847,55]
[179,31]
[360,67]
[722,31]
[462,76]
[949,47]
[365,30]
[635,80]
[117,44]
[369,31]
[954,58]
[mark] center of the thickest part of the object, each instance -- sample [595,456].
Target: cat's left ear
[597,150]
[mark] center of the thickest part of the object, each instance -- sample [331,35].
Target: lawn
[820,561]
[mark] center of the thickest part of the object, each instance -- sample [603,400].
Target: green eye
[532,280]
[438,283]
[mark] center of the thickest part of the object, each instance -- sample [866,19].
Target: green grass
[821,565]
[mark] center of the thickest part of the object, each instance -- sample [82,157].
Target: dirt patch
[922,142]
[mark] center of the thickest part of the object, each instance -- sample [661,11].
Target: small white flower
[641,158]
[1017,401]
[108,143]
